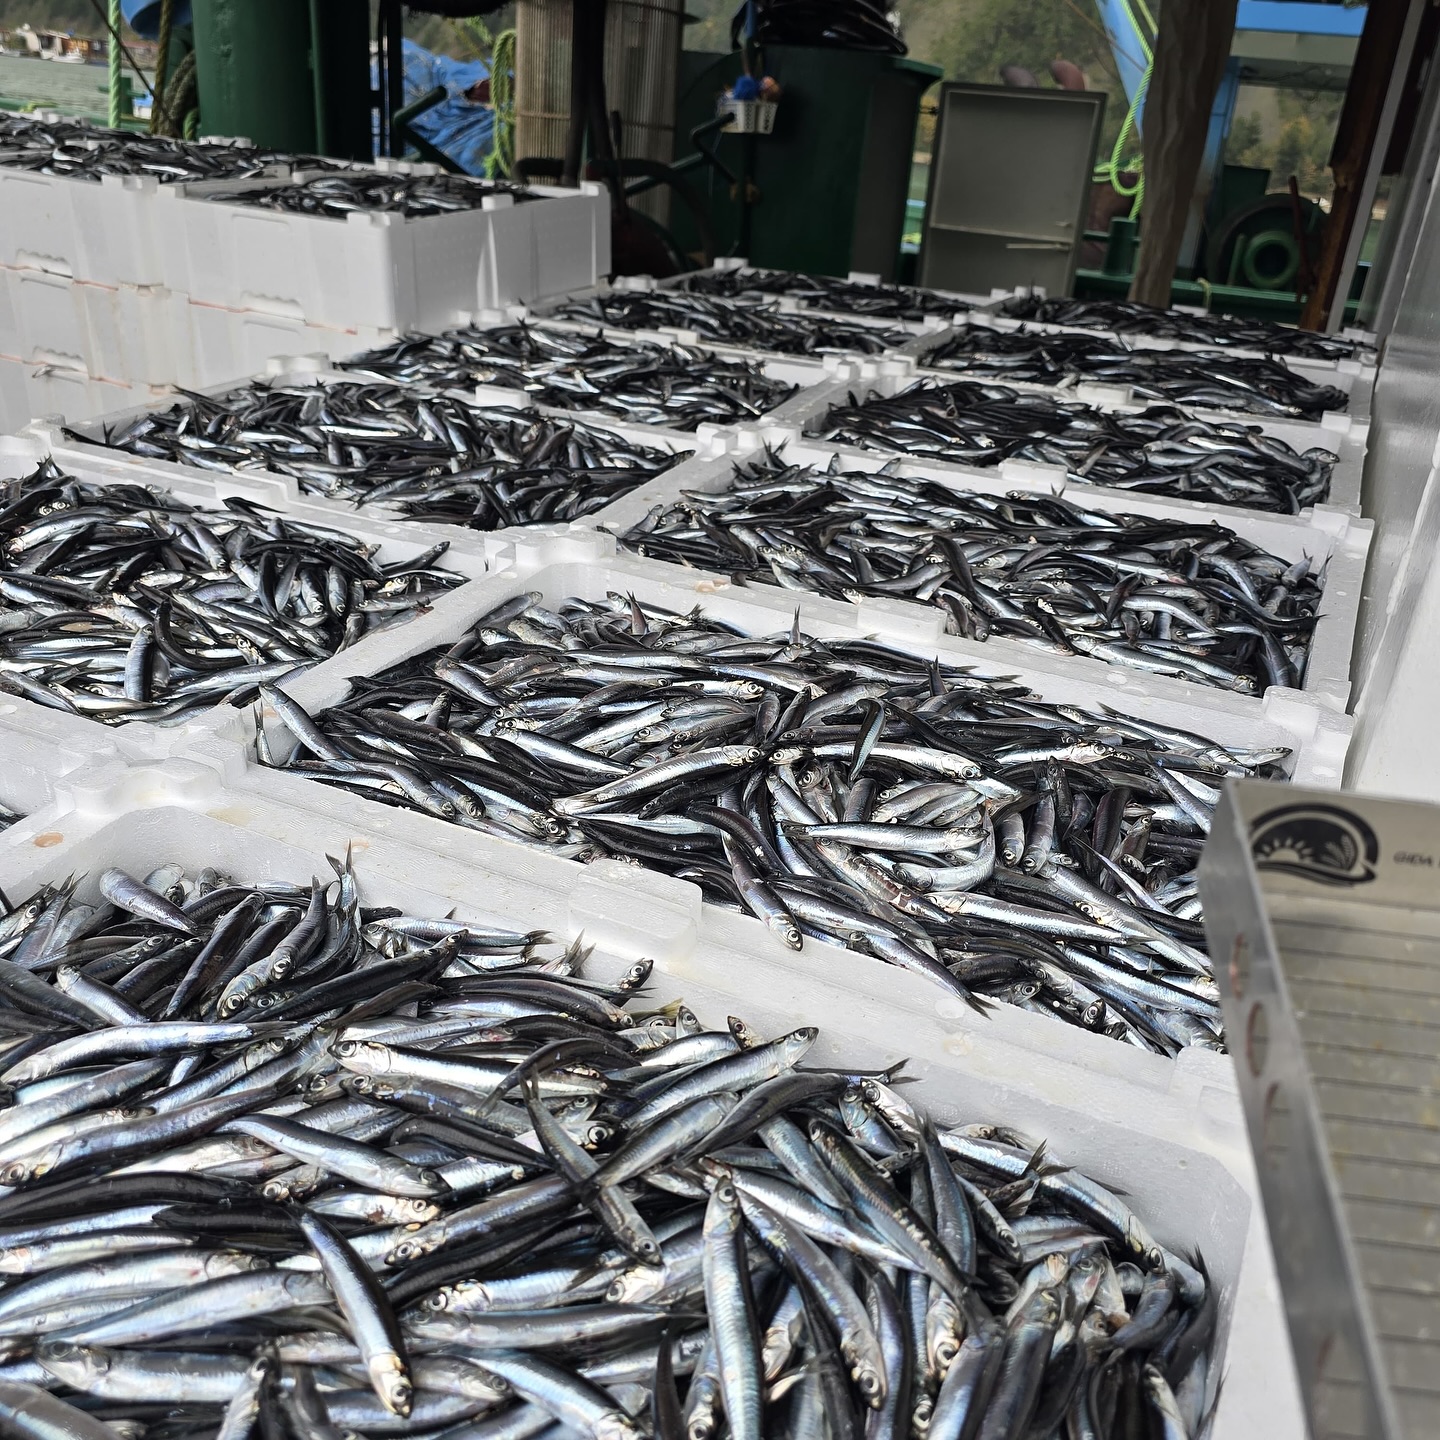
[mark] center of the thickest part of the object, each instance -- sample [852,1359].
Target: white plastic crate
[1344,431]
[1325,534]
[217,346]
[1172,1143]
[1347,439]
[641,912]
[85,447]
[728,264]
[471,554]
[378,269]
[121,334]
[992,316]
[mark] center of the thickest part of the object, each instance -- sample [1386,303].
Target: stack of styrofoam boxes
[84,316]
[260,282]
[110,290]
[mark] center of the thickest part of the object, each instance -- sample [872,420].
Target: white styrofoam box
[1345,432]
[727,264]
[49,315]
[40,747]
[1327,536]
[85,447]
[571,240]
[374,268]
[1354,378]
[1348,440]
[37,221]
[133,334]
[217,345]
[651,914]
[812,377]
[121,334]
[59,390]
[921,335]
[1365,359]
[1173,1143]
[471,554]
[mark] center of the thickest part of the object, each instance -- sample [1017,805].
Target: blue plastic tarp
[464,130]
[143,16]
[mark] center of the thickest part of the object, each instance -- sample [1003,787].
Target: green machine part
[287,74]
[827,189]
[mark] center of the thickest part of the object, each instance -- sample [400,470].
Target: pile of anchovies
[824,292]
[338,195]
[1158,451]
[1128,317]
[86,152]
[1183,377]
[679,386]
[122,603]
[429,457]
[281,1163]
[1192,600]
[957,827]
[732,322]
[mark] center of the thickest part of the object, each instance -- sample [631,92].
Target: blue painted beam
[1300,17]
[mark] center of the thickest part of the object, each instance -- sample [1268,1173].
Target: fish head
[798,1042]
[362,1057]
[74,1364]
[391,1382]
[31,1167]
[636,1285]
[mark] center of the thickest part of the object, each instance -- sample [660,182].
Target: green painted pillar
[252,67]
[286,74]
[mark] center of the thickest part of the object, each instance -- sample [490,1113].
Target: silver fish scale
[430,457]
[122,603]
[1159,451]
[1129,317]
[680,386]
[1208,379]
[961,828]
[1131,590]
[731,322]
[532,1217]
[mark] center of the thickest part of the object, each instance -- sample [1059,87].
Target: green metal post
[253,70]
[113,50]
[340,46]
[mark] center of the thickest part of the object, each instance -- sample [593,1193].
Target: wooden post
[1369,108]
[1190,53]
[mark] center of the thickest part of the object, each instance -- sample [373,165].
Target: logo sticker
[1321,842]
